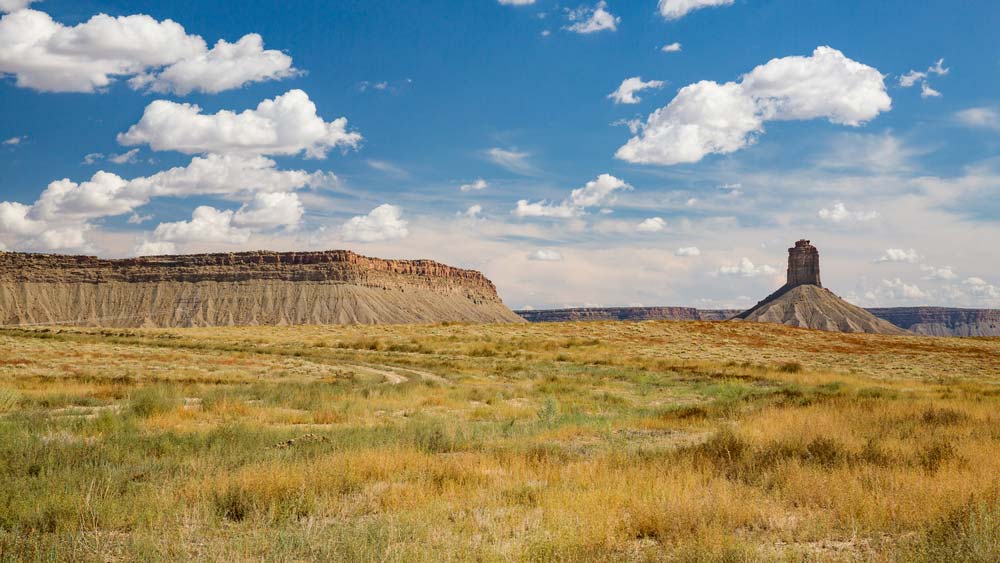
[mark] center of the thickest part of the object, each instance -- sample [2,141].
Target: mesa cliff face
[249,288]
[943,321]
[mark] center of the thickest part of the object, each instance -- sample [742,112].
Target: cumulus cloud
[516,2]
[154,248]
[711,118]
[651,225]
[935,273]
[160,56]
[270,211]
[385,222]
[473,211]
[676,9]
[65,211]
[475,186]
[286,125]
[898,255]
[545,256]
[626,92]
[591,20]
[687,251]
[898,290]
[985,118]
[14,141]
[14,5]
[671,48]
[593,194]
[746,269]
[225,67]
[839,213]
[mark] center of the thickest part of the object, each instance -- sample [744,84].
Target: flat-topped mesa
[803,265]
[246,288]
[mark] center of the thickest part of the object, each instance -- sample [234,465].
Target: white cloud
[65,210]
[15,5]
[286,125]
[651,225]
[927,92]
[899,255]
[137,219]
[225,67]
[233,176]
[711,118]
[915,77]
[746,269]
[473,211]
[516,2]
[896,290]
[688,251]
[270,211]
[265,212]
[45,55]
[479,184]
[592,20]
[839,213]
[935,273]
[385,222]
[593,194]
[626,92]
[127,157]
[598,192]
[154,248]
[207,224]
[544,209]
[14,141]
[676,9]
[671,48]
[980,289]
[986,118]
[513,160]
[545,256]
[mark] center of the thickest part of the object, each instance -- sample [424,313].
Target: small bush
[934,456]
[153,400]
[789,367]
[9,399]
[970,533]
[943,417]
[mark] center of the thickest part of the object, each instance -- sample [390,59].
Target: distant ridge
[246,288]
[804,302]
[927,321]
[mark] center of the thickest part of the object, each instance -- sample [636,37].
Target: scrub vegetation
[685,441]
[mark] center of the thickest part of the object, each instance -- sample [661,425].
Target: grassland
[598,441]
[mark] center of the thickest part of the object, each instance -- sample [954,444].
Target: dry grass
[606,441]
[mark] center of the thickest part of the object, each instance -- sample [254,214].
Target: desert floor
[599,441]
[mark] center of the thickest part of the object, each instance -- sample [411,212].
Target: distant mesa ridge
[927,321]
[246,288]
[808,305]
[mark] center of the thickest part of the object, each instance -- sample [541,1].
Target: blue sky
[881,148]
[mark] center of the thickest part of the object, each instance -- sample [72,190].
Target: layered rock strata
[249,288]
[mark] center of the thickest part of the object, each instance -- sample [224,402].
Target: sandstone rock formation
[803,302]
[250,288]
